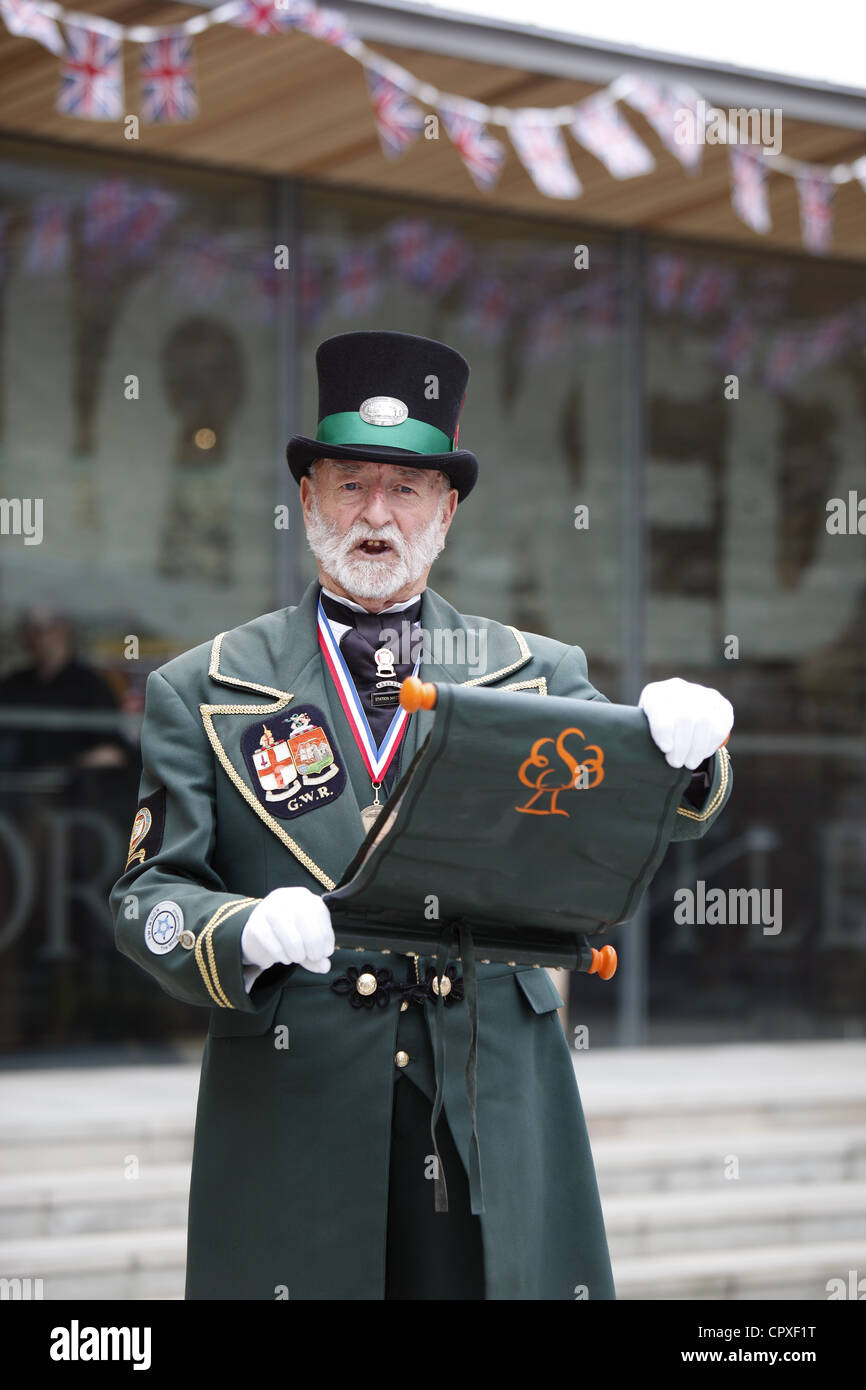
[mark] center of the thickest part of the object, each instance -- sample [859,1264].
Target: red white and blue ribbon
[376,760]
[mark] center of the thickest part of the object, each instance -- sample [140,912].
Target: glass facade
[152,365]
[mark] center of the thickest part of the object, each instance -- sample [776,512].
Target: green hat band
[347,427]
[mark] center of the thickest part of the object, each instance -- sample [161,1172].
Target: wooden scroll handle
[416,694]
[603,962]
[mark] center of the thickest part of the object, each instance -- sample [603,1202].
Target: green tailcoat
[289,1190]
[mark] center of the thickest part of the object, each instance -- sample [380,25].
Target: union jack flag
[91,76]
[448,258]
[830,338]
[150,215]
[601,128]
[710,290]
[667,278]
[749,190]
[736,346]
[264,17]
[486,314]
[106,210]
[47,247]
[427,260]
[543,154]
[768,291]
[816,210]
[408,239]
[329,25]
[672,112]
[22,18]
[785,360]
[481,152]
[167,80]
[358,281]
[398,119]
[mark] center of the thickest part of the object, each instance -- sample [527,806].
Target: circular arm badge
[163,927]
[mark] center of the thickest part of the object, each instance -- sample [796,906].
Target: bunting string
[91,88]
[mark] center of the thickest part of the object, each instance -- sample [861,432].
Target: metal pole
[287,212]
[633,971]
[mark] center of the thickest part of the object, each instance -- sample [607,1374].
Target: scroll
[530,821]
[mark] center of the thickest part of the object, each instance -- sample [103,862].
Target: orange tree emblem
[548,778]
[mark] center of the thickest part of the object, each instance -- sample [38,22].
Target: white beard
[372,578]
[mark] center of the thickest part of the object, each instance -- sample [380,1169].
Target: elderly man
[267,754]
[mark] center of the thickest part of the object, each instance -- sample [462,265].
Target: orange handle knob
[604,962]
[416,694]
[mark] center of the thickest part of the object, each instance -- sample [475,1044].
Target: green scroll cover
[529,820]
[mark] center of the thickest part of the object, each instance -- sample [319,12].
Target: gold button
[187,939]
[401,1059]
[366,983]
[404,1006]
[446,985]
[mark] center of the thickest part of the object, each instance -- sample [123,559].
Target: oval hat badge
[383,410]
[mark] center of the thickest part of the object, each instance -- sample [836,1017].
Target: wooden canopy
[291,105]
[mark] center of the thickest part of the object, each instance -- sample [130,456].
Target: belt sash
[470,994]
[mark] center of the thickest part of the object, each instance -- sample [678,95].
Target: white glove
[291,926]
[687,722]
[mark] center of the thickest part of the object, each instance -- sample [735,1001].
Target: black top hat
[389,398]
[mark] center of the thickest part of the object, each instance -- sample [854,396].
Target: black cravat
[358,647]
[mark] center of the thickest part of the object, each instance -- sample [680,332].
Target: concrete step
[735,1218]
[78,1151]
[95,1117]
[104,1265]
[833,1153]
[642,1092]
[93,1199]
[774,1272]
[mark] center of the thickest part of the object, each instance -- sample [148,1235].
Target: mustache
[389,534]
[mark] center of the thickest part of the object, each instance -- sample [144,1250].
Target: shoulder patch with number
[147,828]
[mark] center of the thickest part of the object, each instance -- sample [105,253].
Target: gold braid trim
[525,655]
[719,796]
[539,684]
[281,699]
[206,940]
